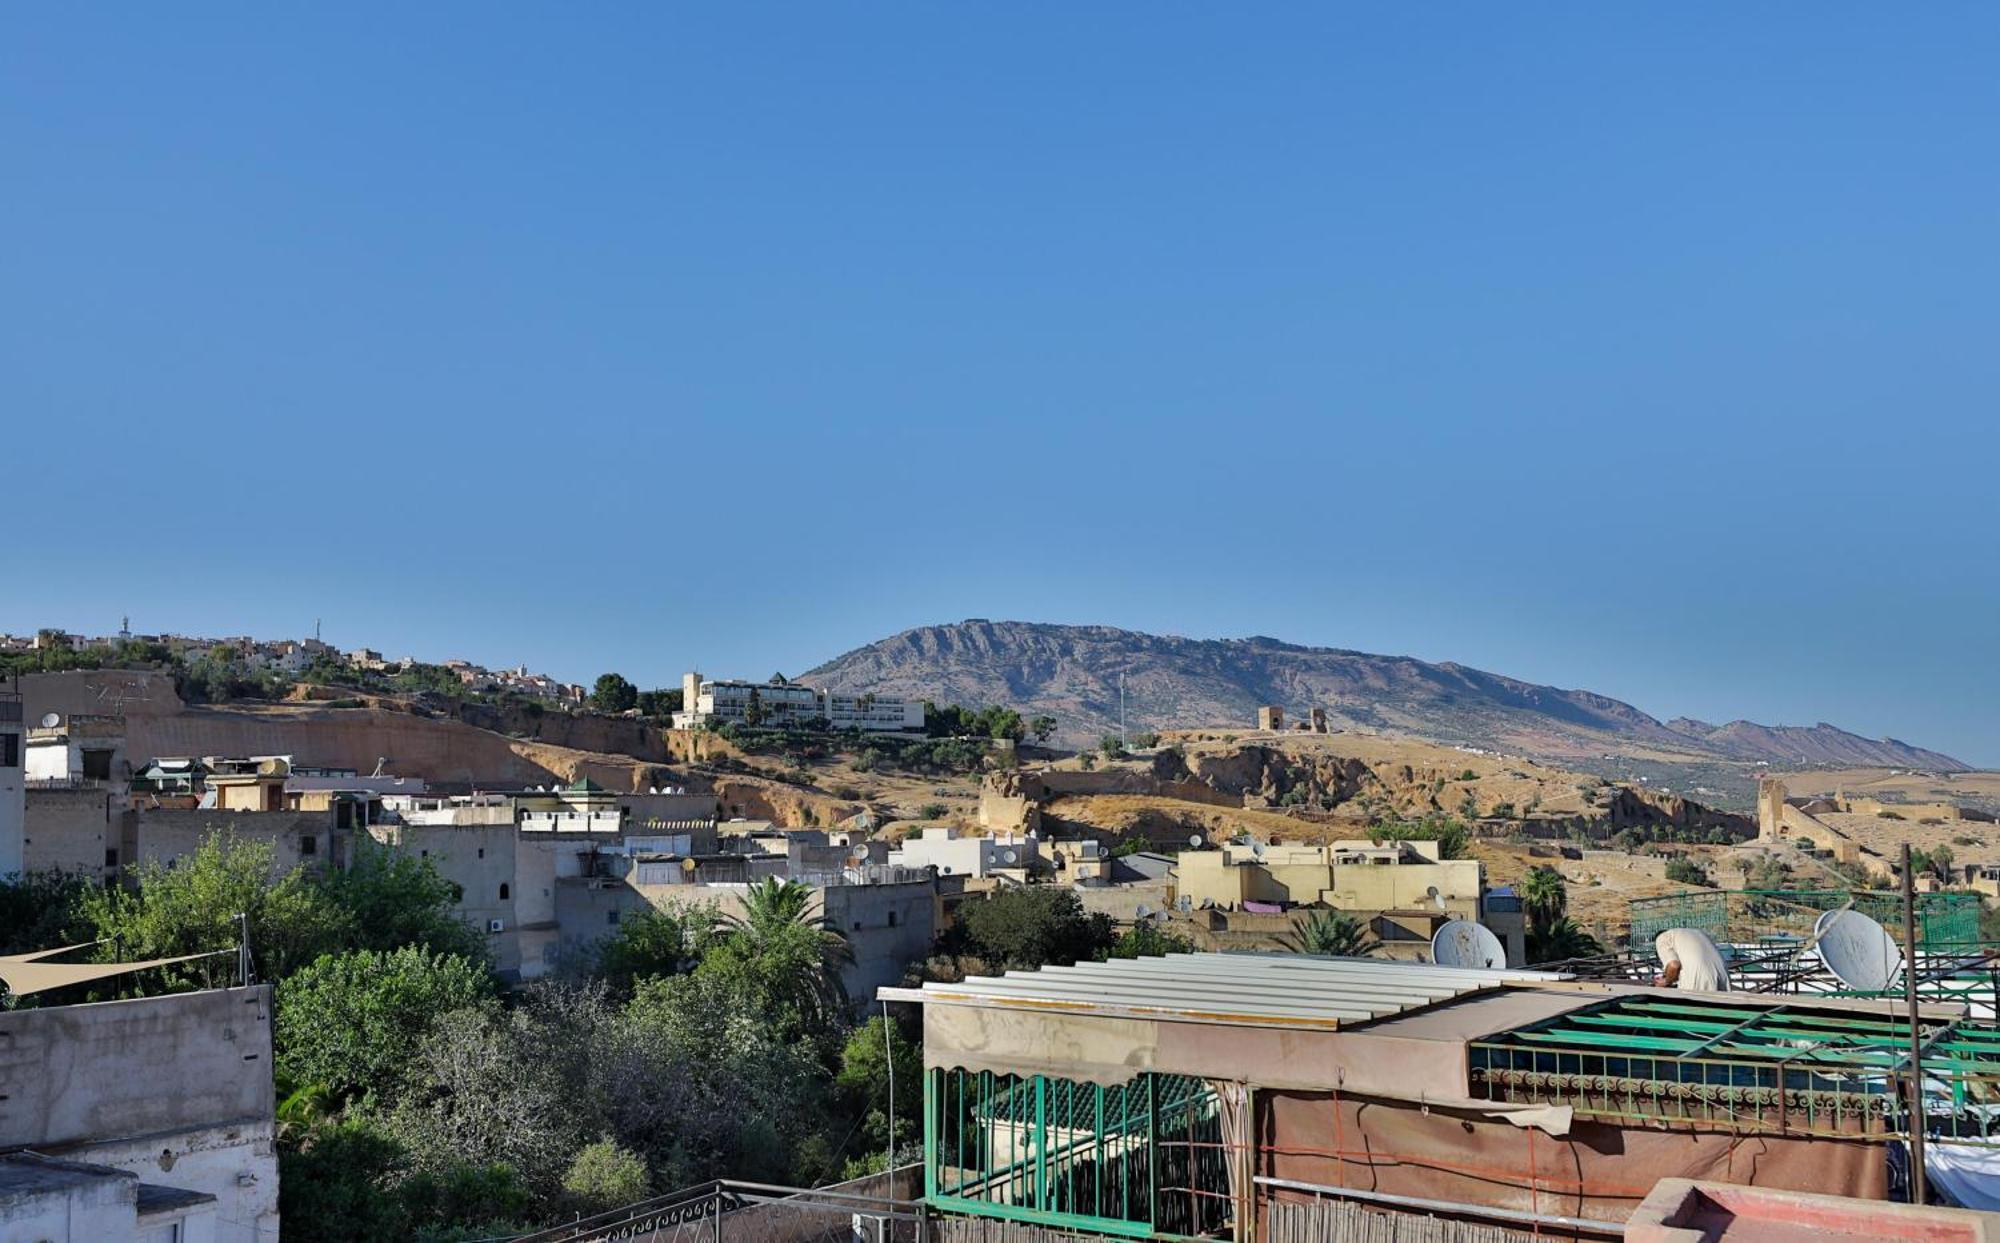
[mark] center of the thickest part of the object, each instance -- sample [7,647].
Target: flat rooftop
[1250,989]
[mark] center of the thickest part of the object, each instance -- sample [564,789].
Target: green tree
[656,942]
[1146,939]
[1112,746]
[605,1176]
[1042,727]
[863,1082]
[1449,833]
[191,908]
[1544,896]
[349,1021]
[1026,928]
[780,952]
[613,693]
[1334,933]
[42,910]
[337,1187]
[1561,940]
[393,899]
[659,704]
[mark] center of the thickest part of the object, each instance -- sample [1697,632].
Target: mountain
[1073,673]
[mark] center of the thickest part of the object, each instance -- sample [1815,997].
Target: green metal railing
[1747,915]
[1142,1158]
[1783,1070]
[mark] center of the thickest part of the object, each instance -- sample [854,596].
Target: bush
[605,1176]
[1029,928]
[1686,872]
[933,811]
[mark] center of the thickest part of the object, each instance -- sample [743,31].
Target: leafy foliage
[613,693]
[1025,928]
[1448,832]
[1148,940]
[1336,933]
[604,1176]
[1683,871]
[350,1021]
[1560,940]
[1544,896]
[653,943]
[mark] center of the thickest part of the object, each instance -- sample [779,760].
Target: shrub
[933,811]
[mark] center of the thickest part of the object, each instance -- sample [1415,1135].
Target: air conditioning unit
[496,925]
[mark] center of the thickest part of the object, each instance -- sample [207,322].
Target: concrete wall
[70,830]
[480,860]
[176,1089]
[43,1201]
[163,835]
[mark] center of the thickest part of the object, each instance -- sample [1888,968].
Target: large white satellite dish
[1463,943]
[51,719]
[1859,951]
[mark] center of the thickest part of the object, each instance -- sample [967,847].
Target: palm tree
[1332,933]
[1562,940]
[1544,896]
[796,956]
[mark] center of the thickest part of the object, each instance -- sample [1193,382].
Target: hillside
[1072,673]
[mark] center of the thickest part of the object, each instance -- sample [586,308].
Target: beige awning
[25,973]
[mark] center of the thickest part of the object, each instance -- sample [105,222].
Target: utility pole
[1121,709]
[889,1051]
[1917,1179]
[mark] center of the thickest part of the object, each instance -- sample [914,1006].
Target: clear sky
[1649,350]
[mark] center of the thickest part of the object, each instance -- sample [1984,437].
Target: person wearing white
[1690,962]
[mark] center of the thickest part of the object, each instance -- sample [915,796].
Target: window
[611,917]
[503,891]
[97,765]
[892,919]
[10,750]
[111,857]
[308,845]
[482,854]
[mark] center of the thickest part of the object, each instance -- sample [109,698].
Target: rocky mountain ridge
[1074,674]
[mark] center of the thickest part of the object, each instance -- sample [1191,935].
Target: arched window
[503,891]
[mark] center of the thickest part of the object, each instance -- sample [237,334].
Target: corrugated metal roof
[1257,989]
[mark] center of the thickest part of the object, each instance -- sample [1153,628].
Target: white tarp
[1968,1174]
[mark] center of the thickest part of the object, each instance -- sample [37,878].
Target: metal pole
[889,1050]
[1917,1188]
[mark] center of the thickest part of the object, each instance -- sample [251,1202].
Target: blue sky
[1650,351]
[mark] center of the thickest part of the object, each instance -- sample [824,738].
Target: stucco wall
[69,830]
[176,1089]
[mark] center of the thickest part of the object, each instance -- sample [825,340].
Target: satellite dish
[51,719]
[1008,856]
[1195,841]
[944,869]
[688,865]
[1144,911]
[1159,917]
[1859,952]
[1186,903]
[1257,849]
[1463,943]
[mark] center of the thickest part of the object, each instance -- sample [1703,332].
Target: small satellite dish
[688,865]
[1257,849]
[1159,917]
[1195,841]
[1860,952]
[1008,856]
[1463,943]
[944,869]
[1186,903]
[51,719]
[1144,911]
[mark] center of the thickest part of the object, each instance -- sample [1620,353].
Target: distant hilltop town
[288,658]
[239,666]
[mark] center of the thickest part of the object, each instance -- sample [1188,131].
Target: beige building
[1403,888]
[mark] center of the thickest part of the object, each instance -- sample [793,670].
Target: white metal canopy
[1260,989]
